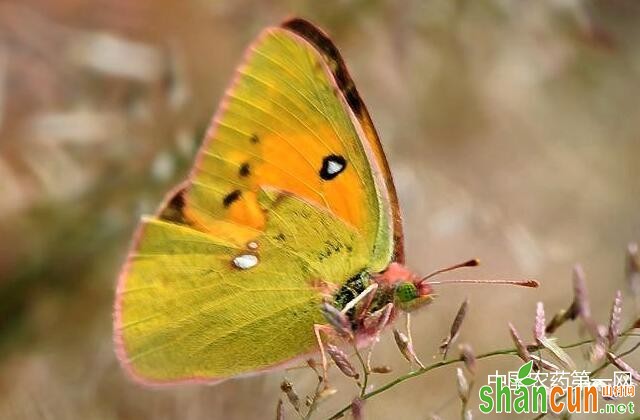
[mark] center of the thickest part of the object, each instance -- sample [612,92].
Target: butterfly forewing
[283,121]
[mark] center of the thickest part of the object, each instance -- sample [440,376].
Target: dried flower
[292,396]
[337,319]
[357,409]
[598,350]
[381,369]
[523,352]
[539,332]
[551,345]
[583,308]
[342,361]
[406,348]
[580,292]
[455,329]
[280,410]
[463,385]
[621,364]
[468,357]
[545,364]
[402,341]
[539,327]
[615,319]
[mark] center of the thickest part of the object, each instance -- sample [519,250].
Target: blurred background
[512,129]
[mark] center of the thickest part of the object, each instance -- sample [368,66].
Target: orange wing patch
[334,60]
[301,176]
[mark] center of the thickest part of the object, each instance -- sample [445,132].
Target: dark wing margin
[329,51]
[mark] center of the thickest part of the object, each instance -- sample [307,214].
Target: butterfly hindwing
[187,312]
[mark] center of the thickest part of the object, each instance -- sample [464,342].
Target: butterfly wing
[289,198]
[341,77]
[284,120]
[186,312]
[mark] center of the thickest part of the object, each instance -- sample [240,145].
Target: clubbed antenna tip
[530,283]
[525,282]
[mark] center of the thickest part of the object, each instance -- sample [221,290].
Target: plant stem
[314,400]
[443,363]
[418,372]
[365,371]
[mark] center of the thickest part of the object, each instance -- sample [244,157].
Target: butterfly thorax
[397,289]
[355,286]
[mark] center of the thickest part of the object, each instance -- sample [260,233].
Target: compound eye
[406,292]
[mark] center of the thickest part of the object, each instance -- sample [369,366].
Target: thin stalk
[443,363]
[314,400]
[365,371]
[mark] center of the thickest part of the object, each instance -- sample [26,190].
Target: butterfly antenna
[474,263]
[470,263]
[524,282]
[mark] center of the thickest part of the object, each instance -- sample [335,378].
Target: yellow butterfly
[290,204]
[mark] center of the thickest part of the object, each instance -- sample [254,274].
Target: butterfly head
[410,292]
[409,296]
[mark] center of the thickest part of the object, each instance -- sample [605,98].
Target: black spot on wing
[173,211]
[231,198]
[245,170]
[332,166]
[353,99]
[255,139]
[177,201]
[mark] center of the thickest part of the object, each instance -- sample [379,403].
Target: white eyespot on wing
[253,245]
[334,167]
[245,261]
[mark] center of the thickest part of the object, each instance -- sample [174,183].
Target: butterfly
[290,205]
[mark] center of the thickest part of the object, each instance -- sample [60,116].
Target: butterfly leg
[370,350]
[373,324]
[318,329]
[363,302]
[410,338]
